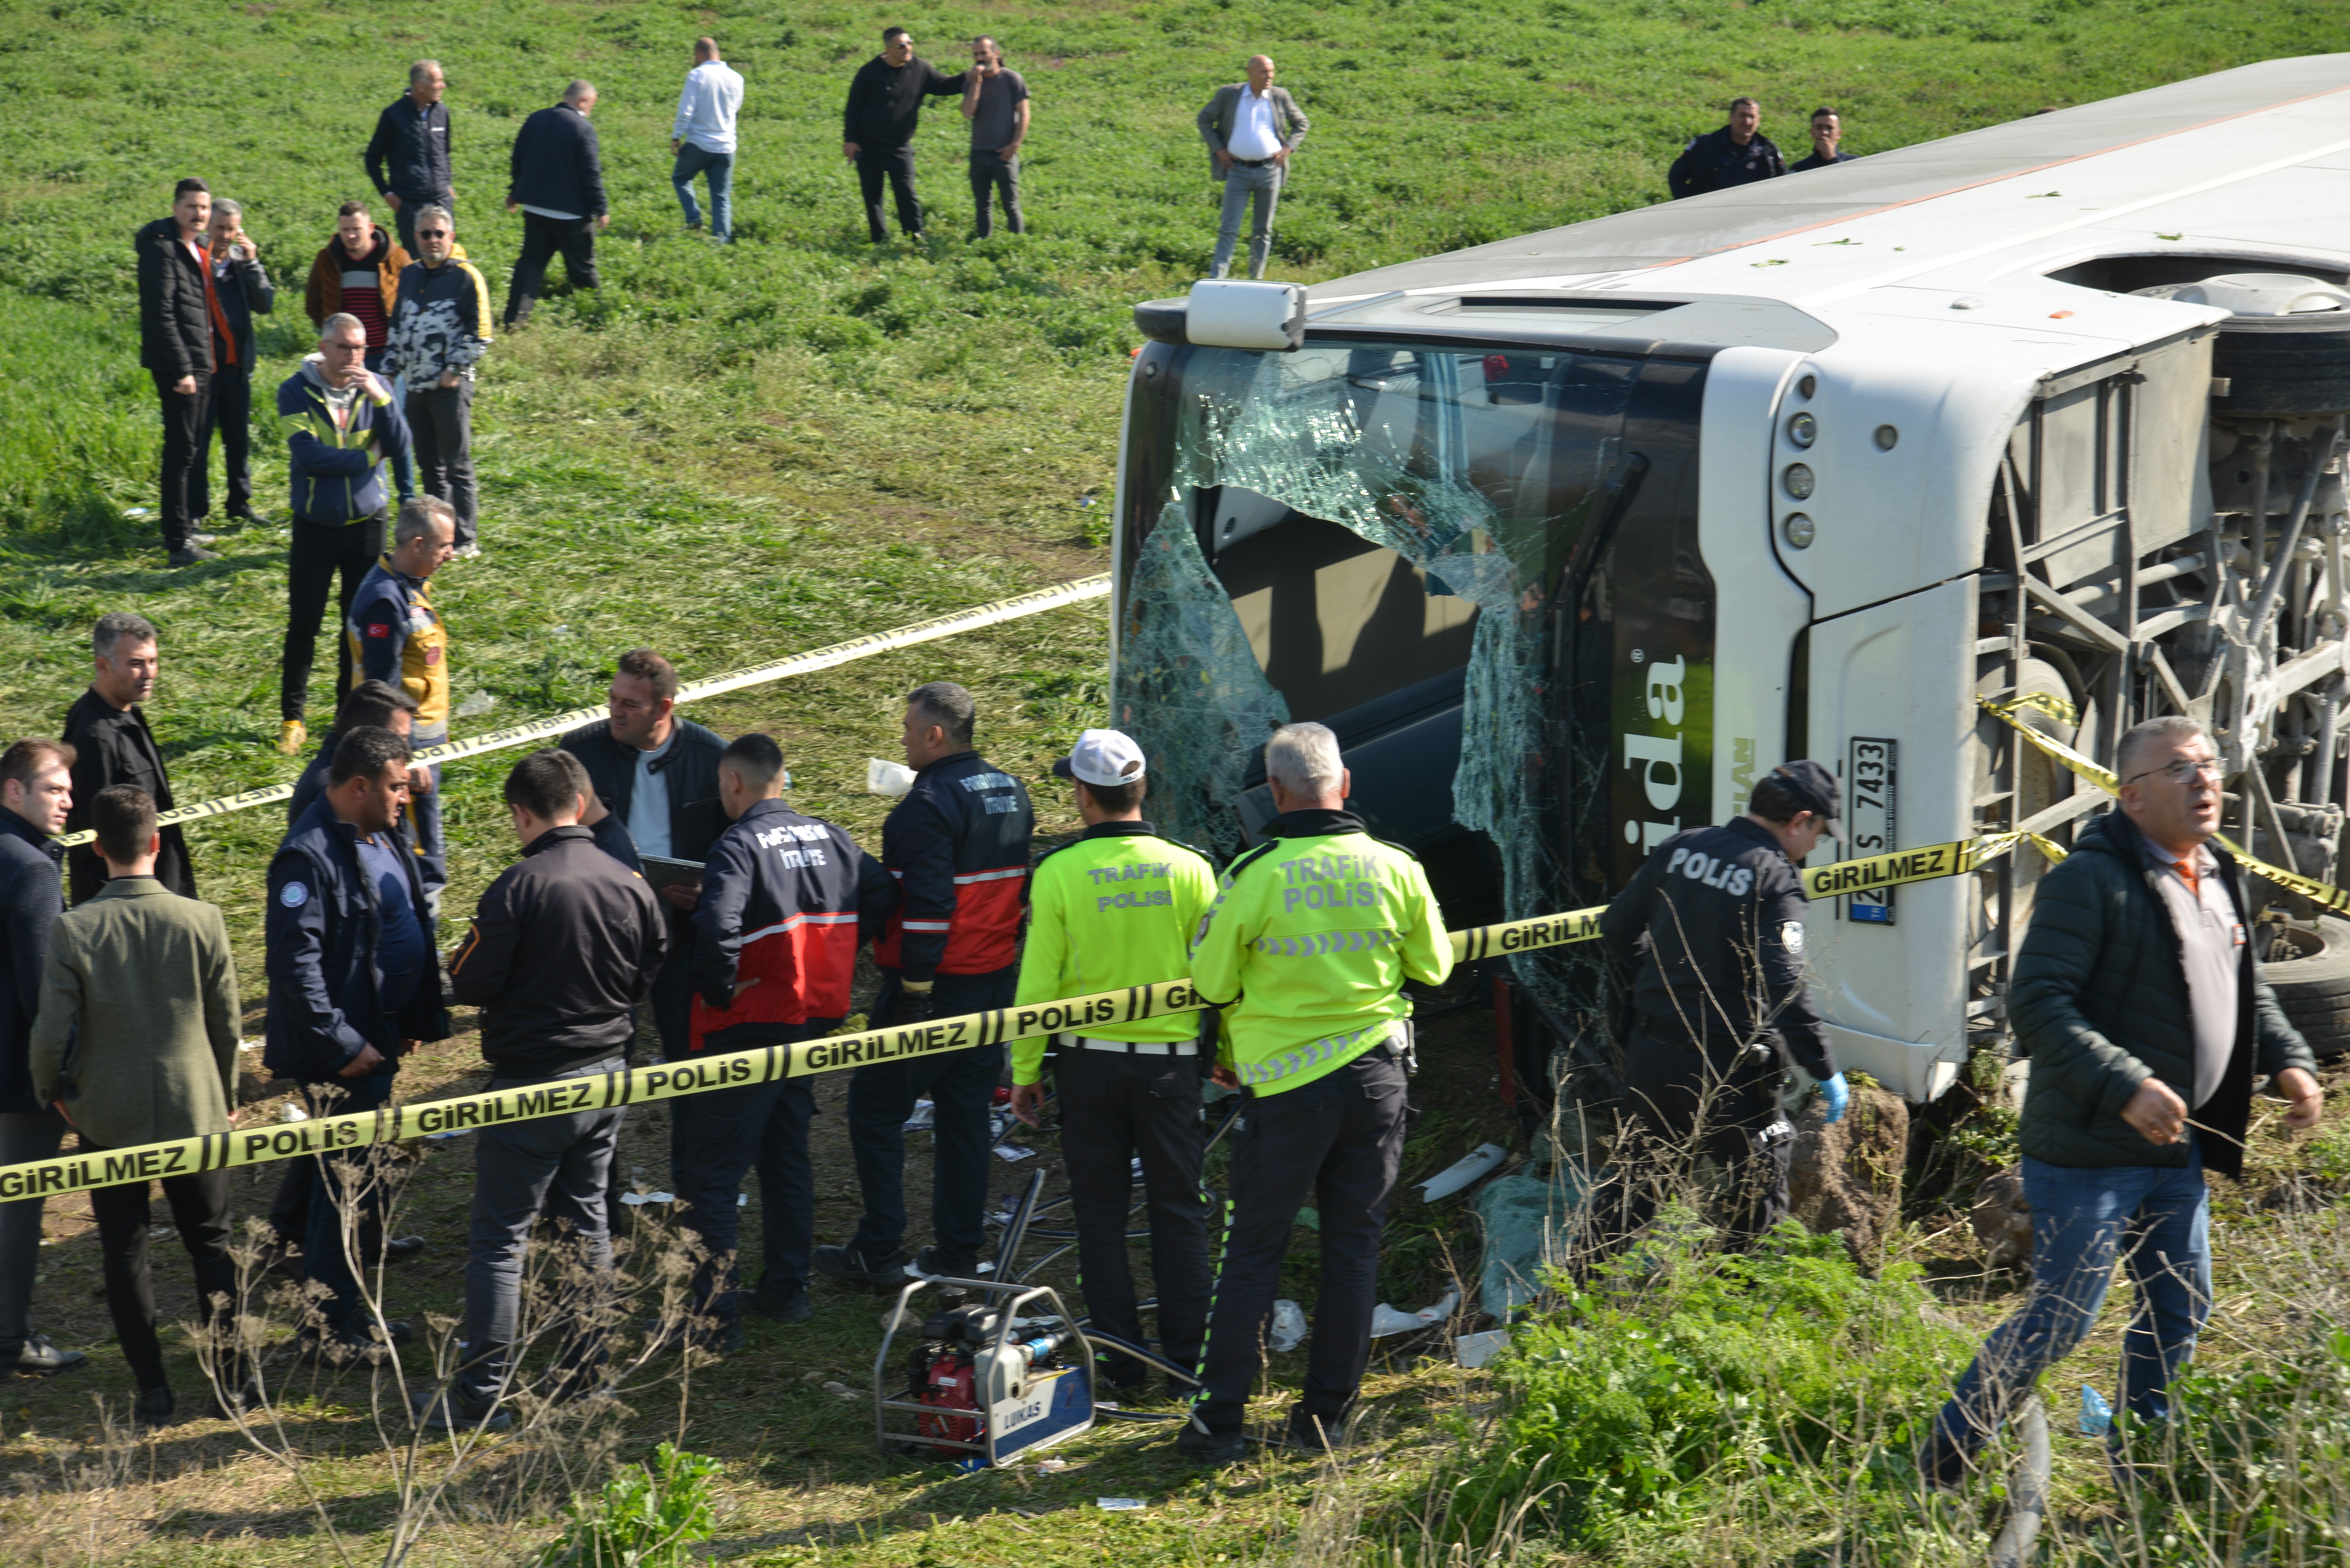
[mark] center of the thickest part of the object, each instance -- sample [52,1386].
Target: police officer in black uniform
[1737,154]
[1713,926]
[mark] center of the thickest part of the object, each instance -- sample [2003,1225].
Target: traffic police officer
[1713,924]
[1114,909]
[1308,945]
[398,638]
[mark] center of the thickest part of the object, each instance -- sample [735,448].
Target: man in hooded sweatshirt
[344,424]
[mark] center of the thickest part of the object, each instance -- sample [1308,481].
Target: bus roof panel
[1706,226]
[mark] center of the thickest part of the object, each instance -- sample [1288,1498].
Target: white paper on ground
[1386,1320]
[1014,1153]
[290,1112]
[1473,1350]
[1288,1325]
[1120,1504]
[1462,1171]
[887,778]
[648,1197]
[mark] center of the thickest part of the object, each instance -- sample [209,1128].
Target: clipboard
[664,873]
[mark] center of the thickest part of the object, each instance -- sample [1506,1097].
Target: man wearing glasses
[439,330]
[343,425]
[2146,1020]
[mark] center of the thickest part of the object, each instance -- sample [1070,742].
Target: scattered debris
[1462,1172]
[1120,1504]
[1288,1325]
[892,779]
[1386,1320]
[1473,1351]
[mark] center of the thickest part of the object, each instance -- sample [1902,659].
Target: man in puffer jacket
[2146,1020]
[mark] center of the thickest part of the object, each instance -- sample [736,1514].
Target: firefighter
[1712,926]
[1308,944]
[958,844]
[1115,909]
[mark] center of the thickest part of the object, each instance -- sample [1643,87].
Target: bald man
[1251,129]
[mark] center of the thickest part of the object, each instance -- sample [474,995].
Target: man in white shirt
[1251,129]
[703,139]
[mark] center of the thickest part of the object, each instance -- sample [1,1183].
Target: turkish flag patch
[378,628]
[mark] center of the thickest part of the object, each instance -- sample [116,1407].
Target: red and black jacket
[784,900]
[958,844]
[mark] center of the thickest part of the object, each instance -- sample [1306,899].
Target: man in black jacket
[2135,999]
[658,774]
[112,745]
[785,903]
[241,290]
[36,789]
[885,103]
[175,346]
[354,985]
[958,844]
[556,179]
[563,948]
[369,705]
[1712,926]
[408,157]
[1737,154]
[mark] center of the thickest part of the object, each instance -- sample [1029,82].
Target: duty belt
[1131,1047]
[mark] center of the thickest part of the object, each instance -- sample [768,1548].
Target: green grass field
[734,455]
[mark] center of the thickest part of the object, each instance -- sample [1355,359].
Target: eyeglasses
[2185,769]
[344,348]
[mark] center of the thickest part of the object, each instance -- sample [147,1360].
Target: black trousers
[993,174]
[229,412]
[1338,1139]
[1690,1105]
[320,551]
[441,419]
[895,164]
[542,239]
[185,418]
[200,1209]
[1113,1107]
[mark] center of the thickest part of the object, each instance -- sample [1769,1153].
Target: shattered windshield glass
[1465,479]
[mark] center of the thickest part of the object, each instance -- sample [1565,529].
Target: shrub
[648,1516]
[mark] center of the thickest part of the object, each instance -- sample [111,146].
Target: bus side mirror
[1222,313]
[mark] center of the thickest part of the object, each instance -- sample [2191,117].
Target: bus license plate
[1871,780]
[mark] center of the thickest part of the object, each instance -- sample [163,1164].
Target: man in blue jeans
[703,140]
[2136,999]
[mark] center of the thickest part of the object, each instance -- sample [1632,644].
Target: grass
[733,455]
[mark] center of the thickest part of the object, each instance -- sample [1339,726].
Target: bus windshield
[1369,534]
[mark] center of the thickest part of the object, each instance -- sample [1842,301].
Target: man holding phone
[241,290]
[996,101]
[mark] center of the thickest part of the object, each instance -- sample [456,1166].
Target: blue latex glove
[1838,1096]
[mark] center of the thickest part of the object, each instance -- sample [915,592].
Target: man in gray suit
[1251,129]
[136,1043]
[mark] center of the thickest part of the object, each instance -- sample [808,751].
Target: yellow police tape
[644,1085]
[2324,894]
[1069,593]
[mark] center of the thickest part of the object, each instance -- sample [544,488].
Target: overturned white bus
[1570,536]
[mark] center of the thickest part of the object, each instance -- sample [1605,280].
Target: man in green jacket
[2136,997]
[1117,909]
[136,1043]
[1310,941]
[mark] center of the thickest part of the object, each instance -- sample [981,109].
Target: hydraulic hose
[1136,1351]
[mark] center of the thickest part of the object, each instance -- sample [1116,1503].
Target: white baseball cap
[1102,758]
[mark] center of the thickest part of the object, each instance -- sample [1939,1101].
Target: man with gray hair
[958,844]
[1307,947]
[107,729]
[397,637]
[342,424]
[557,183]
[1251,129]
[408,157]
[2136,999]
[240,289]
